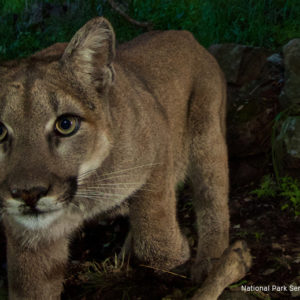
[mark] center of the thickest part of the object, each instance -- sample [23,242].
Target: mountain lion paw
[231,267]
[237,259]
[200,270]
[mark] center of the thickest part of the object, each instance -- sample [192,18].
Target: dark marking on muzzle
[72,188]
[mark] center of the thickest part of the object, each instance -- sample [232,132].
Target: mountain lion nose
[31,196]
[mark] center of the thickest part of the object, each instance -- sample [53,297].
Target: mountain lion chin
[37,220]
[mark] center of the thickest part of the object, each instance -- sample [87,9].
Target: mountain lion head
[54,125]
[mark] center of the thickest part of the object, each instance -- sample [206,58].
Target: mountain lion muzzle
[85,130]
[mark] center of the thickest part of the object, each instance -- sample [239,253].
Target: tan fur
[152,114]
[231,267]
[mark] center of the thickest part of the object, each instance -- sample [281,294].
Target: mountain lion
[85,130]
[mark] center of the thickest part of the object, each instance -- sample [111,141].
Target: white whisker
[90,196]
[94,198]
[86,173]
[114,172]
[122,176]
[112,175]
[100,189]
[129,169]
[107,178]
[121,183]
[100,194]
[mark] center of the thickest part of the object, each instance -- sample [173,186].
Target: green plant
[238,284]
[287,188]
[258,236]
[267,189]
[290,189]
[242,234]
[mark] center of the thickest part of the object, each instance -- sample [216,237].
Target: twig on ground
[164,271]
[120,11]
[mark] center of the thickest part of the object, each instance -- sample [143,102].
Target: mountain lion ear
[90,54]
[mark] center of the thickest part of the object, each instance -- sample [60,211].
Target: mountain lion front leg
[209,176]
[156,237]
[36,273]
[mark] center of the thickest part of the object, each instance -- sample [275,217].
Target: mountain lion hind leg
[208,170]
[231,267]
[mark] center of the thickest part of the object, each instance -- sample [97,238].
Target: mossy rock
[286,147]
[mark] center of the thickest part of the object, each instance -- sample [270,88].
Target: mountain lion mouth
[45,206]
[36,212]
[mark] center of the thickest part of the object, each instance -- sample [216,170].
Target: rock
[287,147]
[297,260]
[252,109]
[275,59]
[268,272]
[271,79]
[250,222]
[248,199]
[241,64]
[249,127]
[291,91]
[245,170]
[276,246]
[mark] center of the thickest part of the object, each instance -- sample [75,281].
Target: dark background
[27,25]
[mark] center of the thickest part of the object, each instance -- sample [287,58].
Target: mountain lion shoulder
[83,128]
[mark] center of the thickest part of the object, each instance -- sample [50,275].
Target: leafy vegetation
[29,25]
[286,188]
[267,188]
[279,131]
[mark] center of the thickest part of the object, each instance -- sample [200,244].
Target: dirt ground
[272,234]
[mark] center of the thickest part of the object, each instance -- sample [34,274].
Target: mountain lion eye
[67,125]
[3,133]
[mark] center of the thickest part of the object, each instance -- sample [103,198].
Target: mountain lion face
[49,137]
